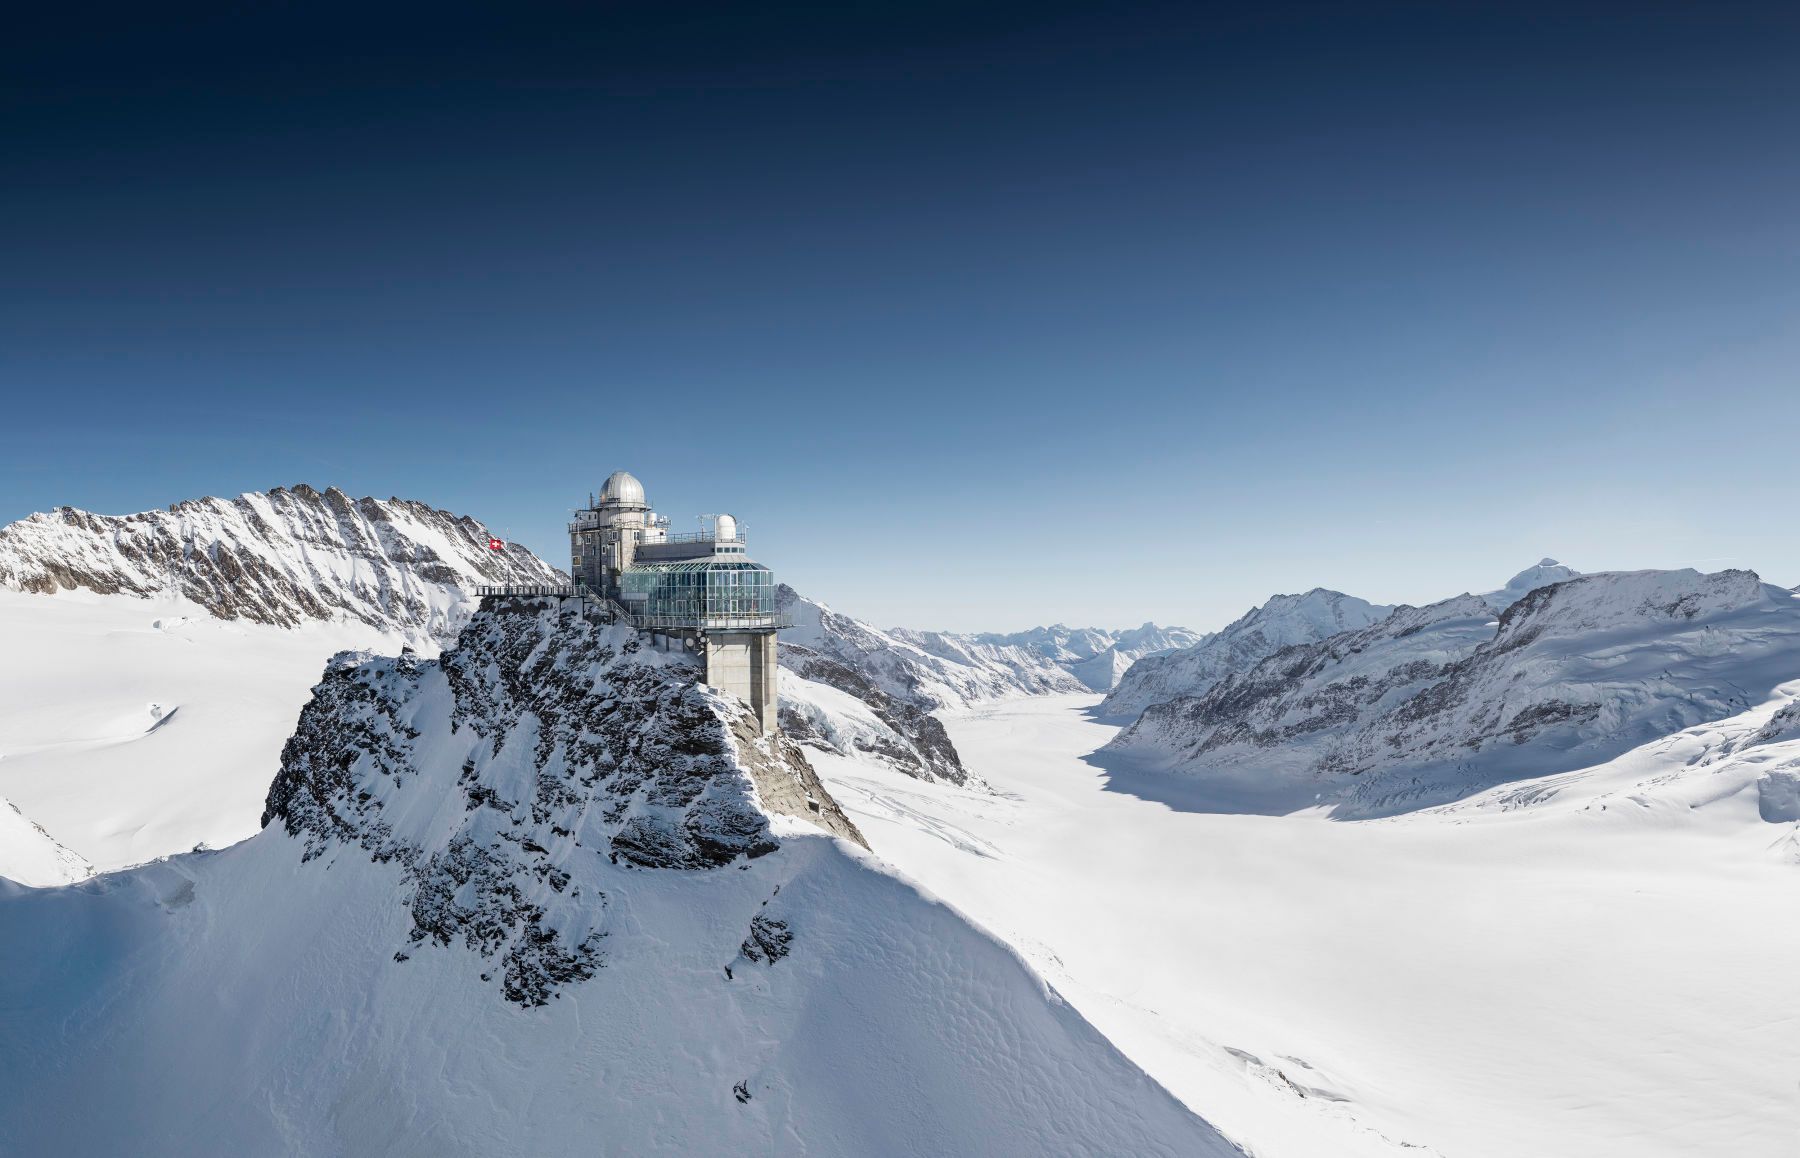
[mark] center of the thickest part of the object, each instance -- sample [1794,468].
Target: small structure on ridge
[699,589]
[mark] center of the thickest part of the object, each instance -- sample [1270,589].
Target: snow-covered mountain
[1281,622]
[1748,763]
[852,687]
[1541,574]
[547,895]
[1432,703]
[282,557]
[155,662]
[1095,656]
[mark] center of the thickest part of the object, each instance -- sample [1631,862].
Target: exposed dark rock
[768,941]
[280,557]
[540,736]
[924,749]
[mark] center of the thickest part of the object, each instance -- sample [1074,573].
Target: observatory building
[700,589]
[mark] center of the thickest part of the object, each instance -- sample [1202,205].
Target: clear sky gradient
[977,316]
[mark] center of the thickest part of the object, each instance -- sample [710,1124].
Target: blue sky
[978,316]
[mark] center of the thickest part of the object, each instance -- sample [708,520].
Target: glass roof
[688,566]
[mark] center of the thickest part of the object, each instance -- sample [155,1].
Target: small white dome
[623,489]
[727,527]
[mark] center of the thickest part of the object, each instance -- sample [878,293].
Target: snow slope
[155,662]
[1433,703]
[31,856]
[134,728]
[1594,964]
[534,899]
[1281,622]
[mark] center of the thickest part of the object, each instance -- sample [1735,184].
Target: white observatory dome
[726,528]
[623,489]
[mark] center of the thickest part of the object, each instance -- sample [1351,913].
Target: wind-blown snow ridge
[282,557]
[537,898]
[31,856]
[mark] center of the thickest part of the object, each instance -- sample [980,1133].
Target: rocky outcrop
[559,738]
[281,557]
[897,732]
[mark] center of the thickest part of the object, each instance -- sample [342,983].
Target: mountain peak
[284,556]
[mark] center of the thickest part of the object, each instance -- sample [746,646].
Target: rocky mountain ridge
[852,687]
[1430,704]
[1281,622]
[283,557]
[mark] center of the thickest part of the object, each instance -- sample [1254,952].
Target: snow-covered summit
[283,557]
[1544,573]
[1433,703]
[553,871]
[1281,622]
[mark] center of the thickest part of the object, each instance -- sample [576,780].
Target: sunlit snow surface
[1600,963]
[136,728]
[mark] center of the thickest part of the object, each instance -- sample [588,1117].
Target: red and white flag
[496,544]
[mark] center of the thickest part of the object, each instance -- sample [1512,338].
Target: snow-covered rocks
[899,678]
[1434,703]
[538,898]
[155,662]
[828,705]
[932,669]
[1283,621]
[282,557]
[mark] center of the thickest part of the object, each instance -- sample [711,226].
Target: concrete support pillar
[742,664]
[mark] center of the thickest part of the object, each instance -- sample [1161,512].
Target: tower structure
[701,591]
[605,535]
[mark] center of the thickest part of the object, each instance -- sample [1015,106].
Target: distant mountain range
[868,690]
[1096,656]
[1422,705]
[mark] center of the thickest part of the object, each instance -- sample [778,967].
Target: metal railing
[707,622]
[644,622]
[702,537]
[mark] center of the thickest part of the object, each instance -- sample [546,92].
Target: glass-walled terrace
[711,593]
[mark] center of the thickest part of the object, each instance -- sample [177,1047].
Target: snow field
[136,728]
[1488,979]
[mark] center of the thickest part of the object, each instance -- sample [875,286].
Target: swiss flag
[496,544]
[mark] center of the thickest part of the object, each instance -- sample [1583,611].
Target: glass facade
[711,592]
